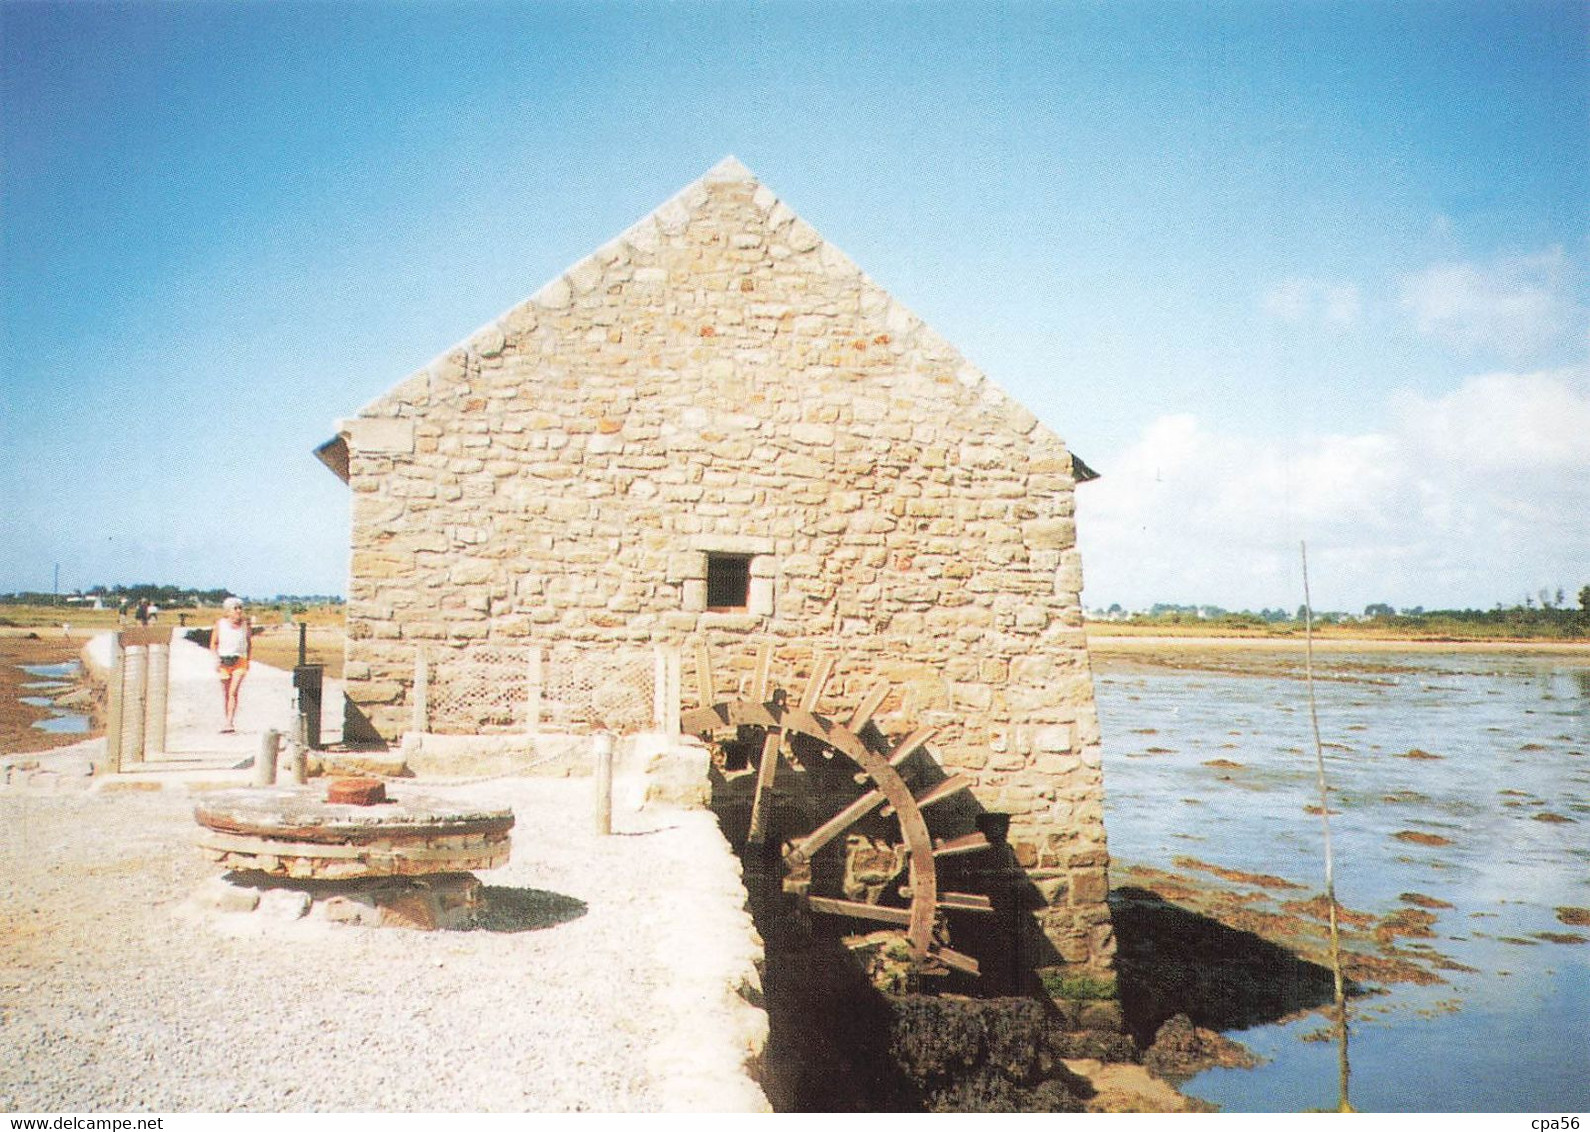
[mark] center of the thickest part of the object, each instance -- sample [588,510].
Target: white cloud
[1502,421]
[1470,498]
[1299,300]
[1516,305]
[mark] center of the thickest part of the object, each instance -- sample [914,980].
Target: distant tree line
[165,596]
[1542,614]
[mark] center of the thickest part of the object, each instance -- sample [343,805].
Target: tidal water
[54,678]
[1508,787]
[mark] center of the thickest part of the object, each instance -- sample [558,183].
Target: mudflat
[17,733]
[1338,658]
[1130,644]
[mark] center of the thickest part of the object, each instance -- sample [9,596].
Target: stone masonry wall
[719,378]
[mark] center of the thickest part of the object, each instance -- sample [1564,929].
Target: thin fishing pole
[1343,1071]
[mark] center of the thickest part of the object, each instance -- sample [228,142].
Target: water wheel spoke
[821,671]
[969,843]
[869,704]
[915,742]
[956,960]
[706,693]
[883,913]
[704,719]
[766,771]
[952,785]
[837,824]
[964,902]
[764,664]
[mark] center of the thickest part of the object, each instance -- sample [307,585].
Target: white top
[231,640]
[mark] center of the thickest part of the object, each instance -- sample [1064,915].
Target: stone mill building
[716,435]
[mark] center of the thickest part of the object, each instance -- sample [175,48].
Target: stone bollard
[135,682]
[299,757]
[602,747]
[159,690]
[113,708]
[265,761]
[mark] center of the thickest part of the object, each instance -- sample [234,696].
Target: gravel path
[616,991]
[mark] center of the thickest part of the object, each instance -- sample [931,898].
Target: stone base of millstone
[437,902]
[415,856]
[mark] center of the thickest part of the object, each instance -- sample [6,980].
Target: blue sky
[1280,272]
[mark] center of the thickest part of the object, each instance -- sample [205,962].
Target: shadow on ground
[526,909]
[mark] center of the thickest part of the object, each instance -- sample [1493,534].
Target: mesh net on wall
[480,691]
[488,690]
[581,687]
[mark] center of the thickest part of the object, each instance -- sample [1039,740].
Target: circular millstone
[293,831]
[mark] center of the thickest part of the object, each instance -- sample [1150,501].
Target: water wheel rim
[896,794]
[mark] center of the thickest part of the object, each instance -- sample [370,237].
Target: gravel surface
[606,979]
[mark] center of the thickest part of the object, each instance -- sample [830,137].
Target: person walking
[230,641]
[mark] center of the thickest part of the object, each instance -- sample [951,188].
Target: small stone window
[728,582]
[728,576]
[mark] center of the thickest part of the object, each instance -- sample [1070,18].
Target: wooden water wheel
[873,860]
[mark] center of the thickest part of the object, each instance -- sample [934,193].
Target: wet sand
[1107,644]
[1352,660]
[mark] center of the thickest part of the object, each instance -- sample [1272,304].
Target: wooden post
[113,708]
[533,684]
[159,693]
[135,681]
[422,692]
[265,761]
[659,687]
[602,746]
[303,642]
[672,693]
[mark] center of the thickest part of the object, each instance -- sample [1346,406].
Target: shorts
[233,665]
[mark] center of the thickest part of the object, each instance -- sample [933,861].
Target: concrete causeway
[198,755]
[615,973]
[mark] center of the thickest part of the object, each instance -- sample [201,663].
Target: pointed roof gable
[669,220]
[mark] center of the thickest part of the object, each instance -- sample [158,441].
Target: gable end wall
[720,377]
